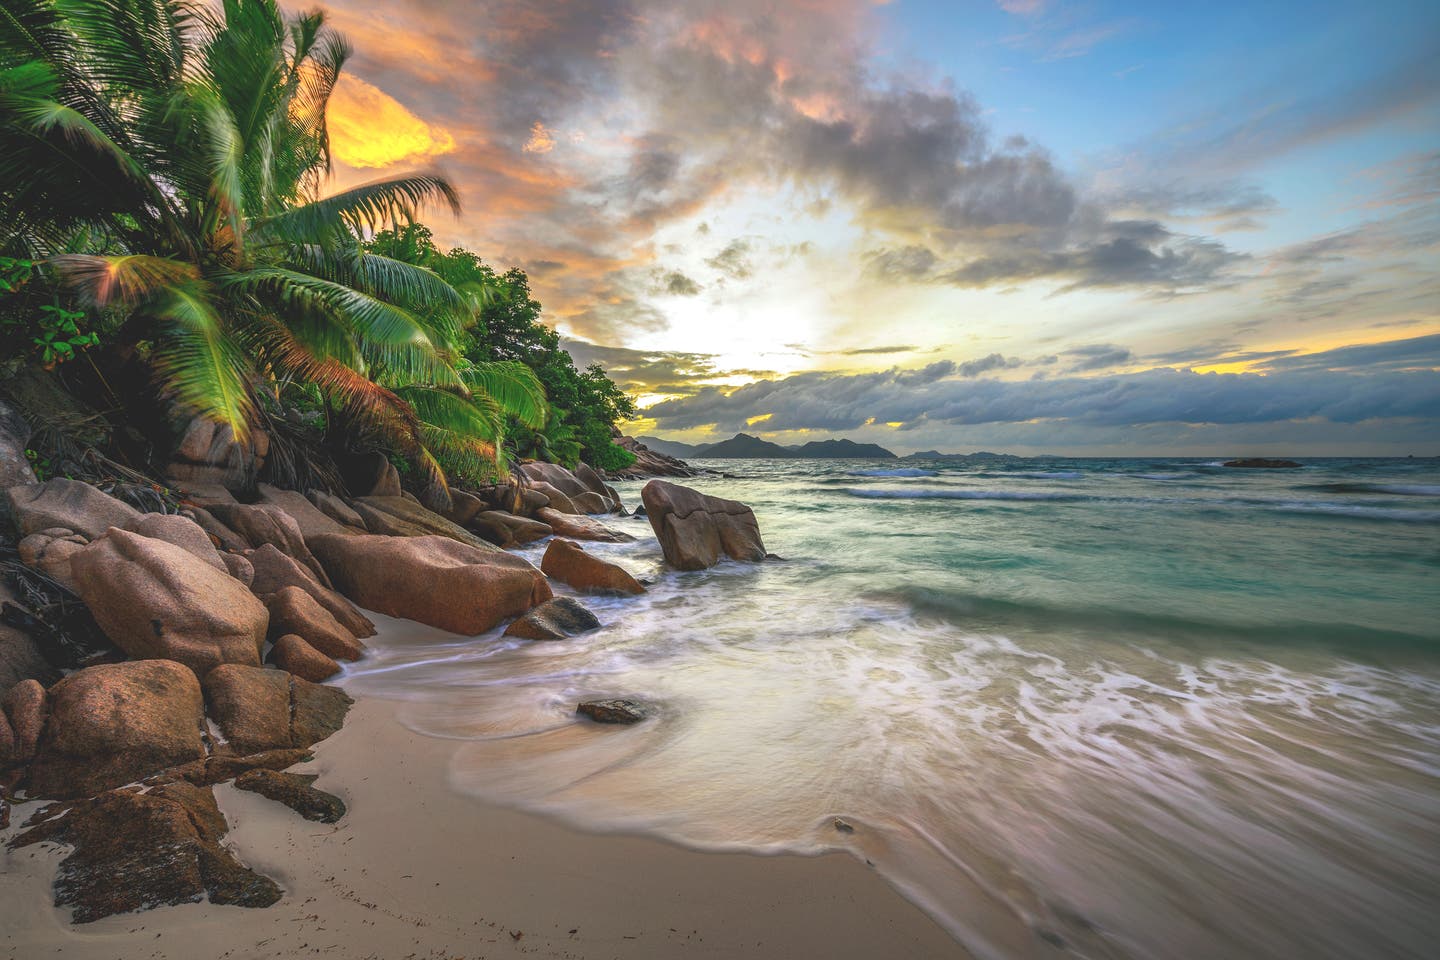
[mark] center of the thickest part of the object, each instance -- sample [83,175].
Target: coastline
[416,869]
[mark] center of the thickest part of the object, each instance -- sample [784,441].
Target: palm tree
[164,161]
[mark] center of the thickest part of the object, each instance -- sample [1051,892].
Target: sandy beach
[416,870]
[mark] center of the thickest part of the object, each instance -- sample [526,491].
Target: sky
[1022,225]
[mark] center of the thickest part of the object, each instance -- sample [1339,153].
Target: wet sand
[416,870]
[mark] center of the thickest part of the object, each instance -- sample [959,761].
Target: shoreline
[417,869]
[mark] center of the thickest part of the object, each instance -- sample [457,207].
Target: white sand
[416,870]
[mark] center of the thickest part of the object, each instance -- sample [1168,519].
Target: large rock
[134,851]
[650,463]
[337,510]
[293,655]
[568,563]
[50,552]
[115,724]
[183,533]
[403,517]
[554,475]
[555,619]
[209,452]
[258,709]
[259,524]
[157,601]
[7,743]
[15,467]
[62,502]
[520,530]
[433,580]
[20,656]
[556,498]
[219,534]
[371,475]
[239,567]
[274,571]
[463,506]
[28,707]
[292,610]
[309,518]
[581,528]
[694,529]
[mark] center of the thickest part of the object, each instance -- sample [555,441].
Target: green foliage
[583,404]
[48,331]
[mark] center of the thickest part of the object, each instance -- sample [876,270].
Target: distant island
[743,446]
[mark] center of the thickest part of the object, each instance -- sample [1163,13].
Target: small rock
[843,826]
[614,711]
[555,619]
[27,706]
[293,611]
[295,791]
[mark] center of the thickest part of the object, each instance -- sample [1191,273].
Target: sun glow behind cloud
[370,129]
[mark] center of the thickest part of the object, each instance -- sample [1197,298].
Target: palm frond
[201,365]
[367,207]
[512,385]
[102,281]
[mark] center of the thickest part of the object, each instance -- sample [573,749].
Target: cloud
[733,261]
[677,284]
[644,371]
[1099,356]
[1306,392]
[541,140]
[864,351]
[973,368]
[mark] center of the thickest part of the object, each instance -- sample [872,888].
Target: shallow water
[1111,708]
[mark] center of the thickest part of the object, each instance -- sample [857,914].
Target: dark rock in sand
[274,571]
[614,711]
[154,600]
[1260,463]
[220,767]
[27,708]
[115,724]
[62,502]
[293,655]
[258,709]
[695,529]
[555,619]
[135,851]
[295,791]
[433,580]
[293,611]
[568,563]
[580,527]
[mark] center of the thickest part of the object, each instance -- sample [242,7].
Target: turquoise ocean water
[1098,708]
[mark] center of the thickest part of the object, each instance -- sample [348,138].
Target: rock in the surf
[614,711]
[295,790]
[555,619]
[569,563]
[694,530]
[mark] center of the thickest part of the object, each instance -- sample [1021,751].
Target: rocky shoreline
[216,612]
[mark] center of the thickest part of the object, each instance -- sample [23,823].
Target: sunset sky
[1025,225]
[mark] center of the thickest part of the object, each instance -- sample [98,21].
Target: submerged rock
[115,724]
[154,600]
[555,619]
[1261,463]
[295,791]
[568,563]
[614,711]
[134,851]
[433,580]
[695,529]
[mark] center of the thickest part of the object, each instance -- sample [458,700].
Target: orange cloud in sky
[370,128]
